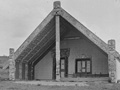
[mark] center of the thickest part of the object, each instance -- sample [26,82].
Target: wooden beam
[57,18]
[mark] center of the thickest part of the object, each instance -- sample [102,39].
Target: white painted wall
[118,69]
[43,69]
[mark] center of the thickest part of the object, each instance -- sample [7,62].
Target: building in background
[4,74]
[3,60]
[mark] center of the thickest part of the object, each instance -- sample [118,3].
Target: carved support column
[23,71]
[17,70]
[57,48]
[26,71]
[32,72]
[20,71]
[112,61]
[29,71]
[11,64]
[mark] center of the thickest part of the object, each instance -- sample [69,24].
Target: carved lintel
[63,52]
[85,56]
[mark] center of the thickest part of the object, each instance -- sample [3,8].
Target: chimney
[56,4]
[111,44]
[11,53]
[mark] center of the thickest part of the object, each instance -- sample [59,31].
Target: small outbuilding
[63,49]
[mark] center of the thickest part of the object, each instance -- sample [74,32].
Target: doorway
[63,67]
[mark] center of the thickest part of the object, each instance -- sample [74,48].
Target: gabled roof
[36,39]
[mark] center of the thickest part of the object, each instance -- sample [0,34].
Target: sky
[19,18]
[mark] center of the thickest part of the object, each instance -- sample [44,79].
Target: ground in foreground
[9,85]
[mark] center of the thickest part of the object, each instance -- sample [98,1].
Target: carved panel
[63,52]
[11,65]
[112,68]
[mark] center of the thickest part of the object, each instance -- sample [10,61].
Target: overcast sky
[18,18]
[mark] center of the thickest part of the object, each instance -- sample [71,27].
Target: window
[83,66]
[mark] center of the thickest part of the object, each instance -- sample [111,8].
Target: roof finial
[57,4]
[111,44]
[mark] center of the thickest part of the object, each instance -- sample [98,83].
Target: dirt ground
[9,85]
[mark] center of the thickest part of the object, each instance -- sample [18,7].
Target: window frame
[83,59]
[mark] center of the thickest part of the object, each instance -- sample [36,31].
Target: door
[62,67]
[83,66]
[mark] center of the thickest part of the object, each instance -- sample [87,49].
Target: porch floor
[52,83]
[84,79]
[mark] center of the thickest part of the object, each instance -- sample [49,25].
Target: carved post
[111,44]
[26,71]
[57,18]
[112,61]
[29,71]
[11,64]
[17,70]
[23,71]
[20,71]
[57,49]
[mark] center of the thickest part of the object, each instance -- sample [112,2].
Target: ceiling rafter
[52,37]
[42,51]
[30,52]
[63,30]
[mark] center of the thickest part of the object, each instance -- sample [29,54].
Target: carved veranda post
[57,49]
[11,64]
[57,29]
[112,61]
